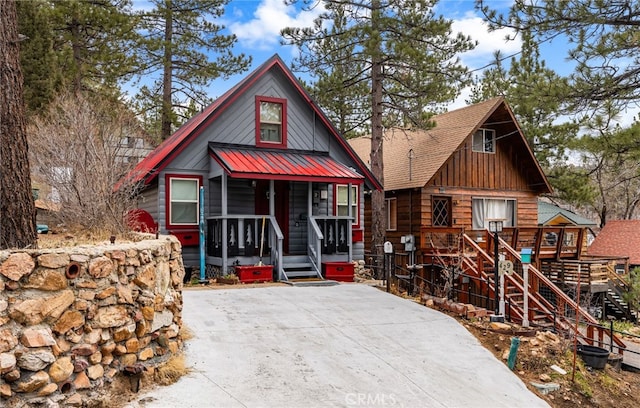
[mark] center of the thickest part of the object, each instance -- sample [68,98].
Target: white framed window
[484,141]
[183,200]
[392,213]
[342,202]
[271,122]
[485,209]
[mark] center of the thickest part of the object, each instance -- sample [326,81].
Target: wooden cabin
[473,166]
[446,185]
[265,176]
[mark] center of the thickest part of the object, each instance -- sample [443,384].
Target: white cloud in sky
[488,42]
[262,32]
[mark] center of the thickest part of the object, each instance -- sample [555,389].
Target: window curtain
[485,209]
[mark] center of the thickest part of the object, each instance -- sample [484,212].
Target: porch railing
[453,247]
[314,243]
[219,234]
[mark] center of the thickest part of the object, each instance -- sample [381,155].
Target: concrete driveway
[336,346]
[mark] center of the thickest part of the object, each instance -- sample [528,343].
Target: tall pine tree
[17,209]
[603,45]
[179,38]
[406,56]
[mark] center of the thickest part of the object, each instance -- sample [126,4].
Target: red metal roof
[240,162]
[618,238]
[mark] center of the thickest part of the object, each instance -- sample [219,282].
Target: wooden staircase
[614,300]
[548,307]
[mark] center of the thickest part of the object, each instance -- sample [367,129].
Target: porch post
[309,200]
[350,223]
[223,199]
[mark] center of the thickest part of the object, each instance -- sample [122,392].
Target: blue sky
[257,25]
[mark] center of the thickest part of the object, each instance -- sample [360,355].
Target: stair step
[301,274]
[297,265]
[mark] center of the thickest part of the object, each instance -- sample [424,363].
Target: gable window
[271,122]
[392,214]
[485,209]
[183,200]
[484,141]
[342,202]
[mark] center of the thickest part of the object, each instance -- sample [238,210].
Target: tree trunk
[17,209]
[378,226]
[166,75]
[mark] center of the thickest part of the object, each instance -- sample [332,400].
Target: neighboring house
[474,166]
[132,149]
[618,238]
[552,215]
[278,181]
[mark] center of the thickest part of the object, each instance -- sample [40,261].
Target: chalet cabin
[268,178]
[473,167]
[459,188]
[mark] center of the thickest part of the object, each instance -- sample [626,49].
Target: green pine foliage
[603,39]
[177,39]
[396,55]
[416,49]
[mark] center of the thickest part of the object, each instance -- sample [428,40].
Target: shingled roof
[432,148]
[618,238]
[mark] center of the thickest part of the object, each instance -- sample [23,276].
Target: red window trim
[335,201]
[283,102]
[167,199]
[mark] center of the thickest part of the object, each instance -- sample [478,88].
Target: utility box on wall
[409,242]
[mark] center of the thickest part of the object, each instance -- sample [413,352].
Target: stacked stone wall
[72,319]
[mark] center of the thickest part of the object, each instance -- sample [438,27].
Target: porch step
[299,267]
[301,274]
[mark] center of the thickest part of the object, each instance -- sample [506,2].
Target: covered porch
[289,211]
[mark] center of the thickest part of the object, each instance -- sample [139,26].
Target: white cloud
[488,42]
[263,31]
[483,55]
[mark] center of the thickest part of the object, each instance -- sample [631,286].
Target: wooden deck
[556,251]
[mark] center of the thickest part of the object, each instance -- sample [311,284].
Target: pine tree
[17,209]
[178,38]
[404,53]
[533,92]
[93,44]
[603,38]
[42,78]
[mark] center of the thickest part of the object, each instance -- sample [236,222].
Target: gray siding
[298,193]
[191,256]
[148,201]
[236,125]
[240,197]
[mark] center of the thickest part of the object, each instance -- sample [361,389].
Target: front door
[281,192]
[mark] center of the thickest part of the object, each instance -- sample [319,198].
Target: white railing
[314,243]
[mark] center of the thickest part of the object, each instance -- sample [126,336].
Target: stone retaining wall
[72,319]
